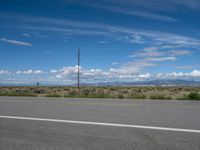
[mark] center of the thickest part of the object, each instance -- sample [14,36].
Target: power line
[78,73]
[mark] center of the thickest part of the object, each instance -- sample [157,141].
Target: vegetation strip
[134,92]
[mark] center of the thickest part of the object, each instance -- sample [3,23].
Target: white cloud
[15,42]
[38,72]
[65,71]
[53,71]
[29,72]
[179,75]
[119,74]
[145,76]
[5,72]
[195,73]
[68,75]
[124,72]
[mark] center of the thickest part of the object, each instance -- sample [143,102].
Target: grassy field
[134,92]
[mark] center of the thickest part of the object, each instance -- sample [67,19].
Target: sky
[120,40]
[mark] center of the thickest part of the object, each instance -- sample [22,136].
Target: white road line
[102,124]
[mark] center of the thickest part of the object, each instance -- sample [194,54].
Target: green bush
[193,96]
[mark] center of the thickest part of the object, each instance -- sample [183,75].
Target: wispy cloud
[142,14]
[146,54]
[15,42]
[115,63]
[163,6]
[185,67]
[158,52]
[48,52]
[30,72]
[155,55]
[132,35]
[162,59]
[26,35]
[150,9]
[179,52]
[152,16]
[102,42]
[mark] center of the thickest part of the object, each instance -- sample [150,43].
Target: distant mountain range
[138,83]
[147,83]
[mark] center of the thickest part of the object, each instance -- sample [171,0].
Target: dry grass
[134,92]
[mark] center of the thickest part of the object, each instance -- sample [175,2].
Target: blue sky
[129,40]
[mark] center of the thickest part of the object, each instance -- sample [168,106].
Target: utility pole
[78,73]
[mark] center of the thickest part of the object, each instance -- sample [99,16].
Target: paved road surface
[25,134]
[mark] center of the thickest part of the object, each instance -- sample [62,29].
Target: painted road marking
[102,124]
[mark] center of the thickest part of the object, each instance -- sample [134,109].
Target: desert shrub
[113,89]
[100,96]
[138,96]
[159,97]
[184,97]
[68,96]
[54,91]
[53,95]
[85,92]
[73,93]
[125,91]
[66,89]
[18,94]
[121,96]
[22,91]
[39,91]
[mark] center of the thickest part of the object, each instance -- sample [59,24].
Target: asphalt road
[20,134]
